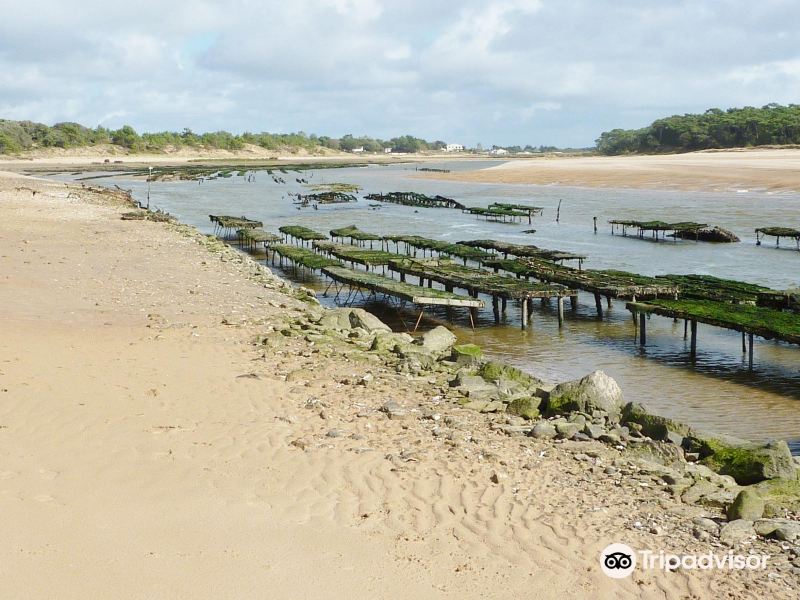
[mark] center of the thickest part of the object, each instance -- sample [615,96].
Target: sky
[506,72]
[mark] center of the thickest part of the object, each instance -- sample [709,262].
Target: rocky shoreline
[748,493]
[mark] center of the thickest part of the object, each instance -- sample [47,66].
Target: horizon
[516,72]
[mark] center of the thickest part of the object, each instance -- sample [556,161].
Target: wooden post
[524,315]
[595,226]
[495,310]
[503,305]
[599,304]
[635,320]
[750,350]
[744,343]
[685,328]
[693,351]
[642,328]
[573,302]
[561,311]
[608,301]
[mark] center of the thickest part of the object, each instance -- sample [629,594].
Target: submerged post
[561,311]
[599,304]
[693,350]
[642,329]
[524,315]
[750,350]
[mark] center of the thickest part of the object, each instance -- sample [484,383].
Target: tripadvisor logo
[618,561]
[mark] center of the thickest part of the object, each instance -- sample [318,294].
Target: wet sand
[767,169]
[162,438]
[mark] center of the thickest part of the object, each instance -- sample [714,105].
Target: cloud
[496,72]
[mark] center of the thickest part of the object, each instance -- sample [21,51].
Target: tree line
[715,128]
[19,136]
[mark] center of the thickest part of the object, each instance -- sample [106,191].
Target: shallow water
[715,392]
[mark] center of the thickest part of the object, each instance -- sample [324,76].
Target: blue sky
[496,72]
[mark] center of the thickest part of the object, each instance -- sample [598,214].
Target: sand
[776,170]
[160,438]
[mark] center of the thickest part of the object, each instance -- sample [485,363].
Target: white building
[358,150]
[387,150]
[454,148]
[498,151]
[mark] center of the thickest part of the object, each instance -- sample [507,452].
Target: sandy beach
[776,170]
[169,428]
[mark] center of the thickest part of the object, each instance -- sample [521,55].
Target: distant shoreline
[772,170]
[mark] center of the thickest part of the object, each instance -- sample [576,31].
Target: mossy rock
[595,391]
[466,354]
[495,371]
[654,426]
[527,408]
[747,462]
[779,494]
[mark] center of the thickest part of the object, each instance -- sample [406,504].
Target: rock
[736,532]
[654,426]
[335,433]
[781,529]
[527,408]
[493,406]
[543,429]
[594,431]
[438,340]
[477,405]
[474,386]
[496,477]
[495,371]
[366,320]
[299,375]
[395,412]
[706,524]
[350,318]
[385,341]
[746,462]
[661,453]
[567,430]
[335,318]
[748,505]
[596,391]
[610,437]
[466,354]
[698,491]
[719,498]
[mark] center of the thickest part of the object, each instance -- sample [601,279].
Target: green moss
[761,321]
[494,371]
[747,463]
[304,257]
[780,493]
[528,408]
[302,233]
[466,353]
[561,404]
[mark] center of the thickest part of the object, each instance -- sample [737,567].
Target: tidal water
[715,392]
